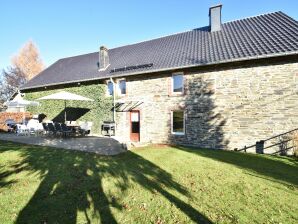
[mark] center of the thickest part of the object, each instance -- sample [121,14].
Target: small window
[178,122]
[122,87]
[177,83]
[110,88]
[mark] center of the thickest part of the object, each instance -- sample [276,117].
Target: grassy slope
[157,185]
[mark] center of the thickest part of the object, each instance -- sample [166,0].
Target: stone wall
[225,108]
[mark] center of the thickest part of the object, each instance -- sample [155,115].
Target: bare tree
[12,78]
[2,92]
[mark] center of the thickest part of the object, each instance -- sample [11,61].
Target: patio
[99,145]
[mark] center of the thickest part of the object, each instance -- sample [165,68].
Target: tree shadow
[72,182]
[204,128]
[3,176]
[203,122]
[280,169]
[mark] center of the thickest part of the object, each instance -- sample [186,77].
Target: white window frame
[172,83]
[119,90]
[172,124]
[108,92]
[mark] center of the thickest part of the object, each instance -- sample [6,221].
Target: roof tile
[268,34]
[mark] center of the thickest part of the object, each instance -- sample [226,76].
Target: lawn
[148,185]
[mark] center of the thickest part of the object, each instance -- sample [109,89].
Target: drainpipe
[114,104]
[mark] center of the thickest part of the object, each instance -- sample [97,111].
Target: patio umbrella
[20,102]
[65,96]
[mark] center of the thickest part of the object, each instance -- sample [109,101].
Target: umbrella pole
[24,111]
[64,111]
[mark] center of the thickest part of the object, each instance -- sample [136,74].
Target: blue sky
[67,28]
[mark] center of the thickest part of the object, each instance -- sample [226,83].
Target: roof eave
[167,69]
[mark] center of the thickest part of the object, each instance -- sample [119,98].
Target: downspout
[114,103]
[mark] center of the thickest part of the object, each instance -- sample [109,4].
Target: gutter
[168,69]
[114,100]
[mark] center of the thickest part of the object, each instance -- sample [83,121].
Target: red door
[135,126]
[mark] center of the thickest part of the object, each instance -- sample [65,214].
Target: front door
[135,126]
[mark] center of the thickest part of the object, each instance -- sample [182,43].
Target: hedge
[96,112]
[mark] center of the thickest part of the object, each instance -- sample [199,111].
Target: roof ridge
[173,34]
[250,17]
[168,35]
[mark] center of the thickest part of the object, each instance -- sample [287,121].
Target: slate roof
[266,35]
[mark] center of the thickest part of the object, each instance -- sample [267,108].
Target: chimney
[215,17]
[103,58]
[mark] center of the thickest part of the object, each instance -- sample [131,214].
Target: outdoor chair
[58,128]
[85,128]
[82,128]
[39,129]
[52,129]
[65,130]
[45,128]
[33,126]
[22,130]
[10,123]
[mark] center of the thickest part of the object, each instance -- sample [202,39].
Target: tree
[13,77]
[25,65]
[28,60]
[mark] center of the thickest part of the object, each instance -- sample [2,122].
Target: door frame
[130,124]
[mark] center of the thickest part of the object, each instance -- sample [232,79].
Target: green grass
[148,185]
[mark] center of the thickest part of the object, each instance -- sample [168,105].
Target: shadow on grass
[72,181]
[281,169]
[3,175]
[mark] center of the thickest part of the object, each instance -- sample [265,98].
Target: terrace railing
[282,141]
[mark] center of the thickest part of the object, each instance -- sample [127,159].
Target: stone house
[226,85]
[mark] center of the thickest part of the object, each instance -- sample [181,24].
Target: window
[122,87]
[110,88]
[177,83]
[178,122]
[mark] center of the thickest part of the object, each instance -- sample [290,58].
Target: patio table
[74,127]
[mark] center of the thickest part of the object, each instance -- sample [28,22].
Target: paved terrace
[99,145]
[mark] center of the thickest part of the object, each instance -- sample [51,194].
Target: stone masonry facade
[225,108]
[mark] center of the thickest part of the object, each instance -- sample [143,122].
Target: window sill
[178,133]
[176,94]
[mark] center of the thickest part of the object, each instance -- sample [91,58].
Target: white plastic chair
[85,127]
[32,126]
[22,130]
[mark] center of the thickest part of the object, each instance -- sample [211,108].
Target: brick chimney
[215,18]
[103,58]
